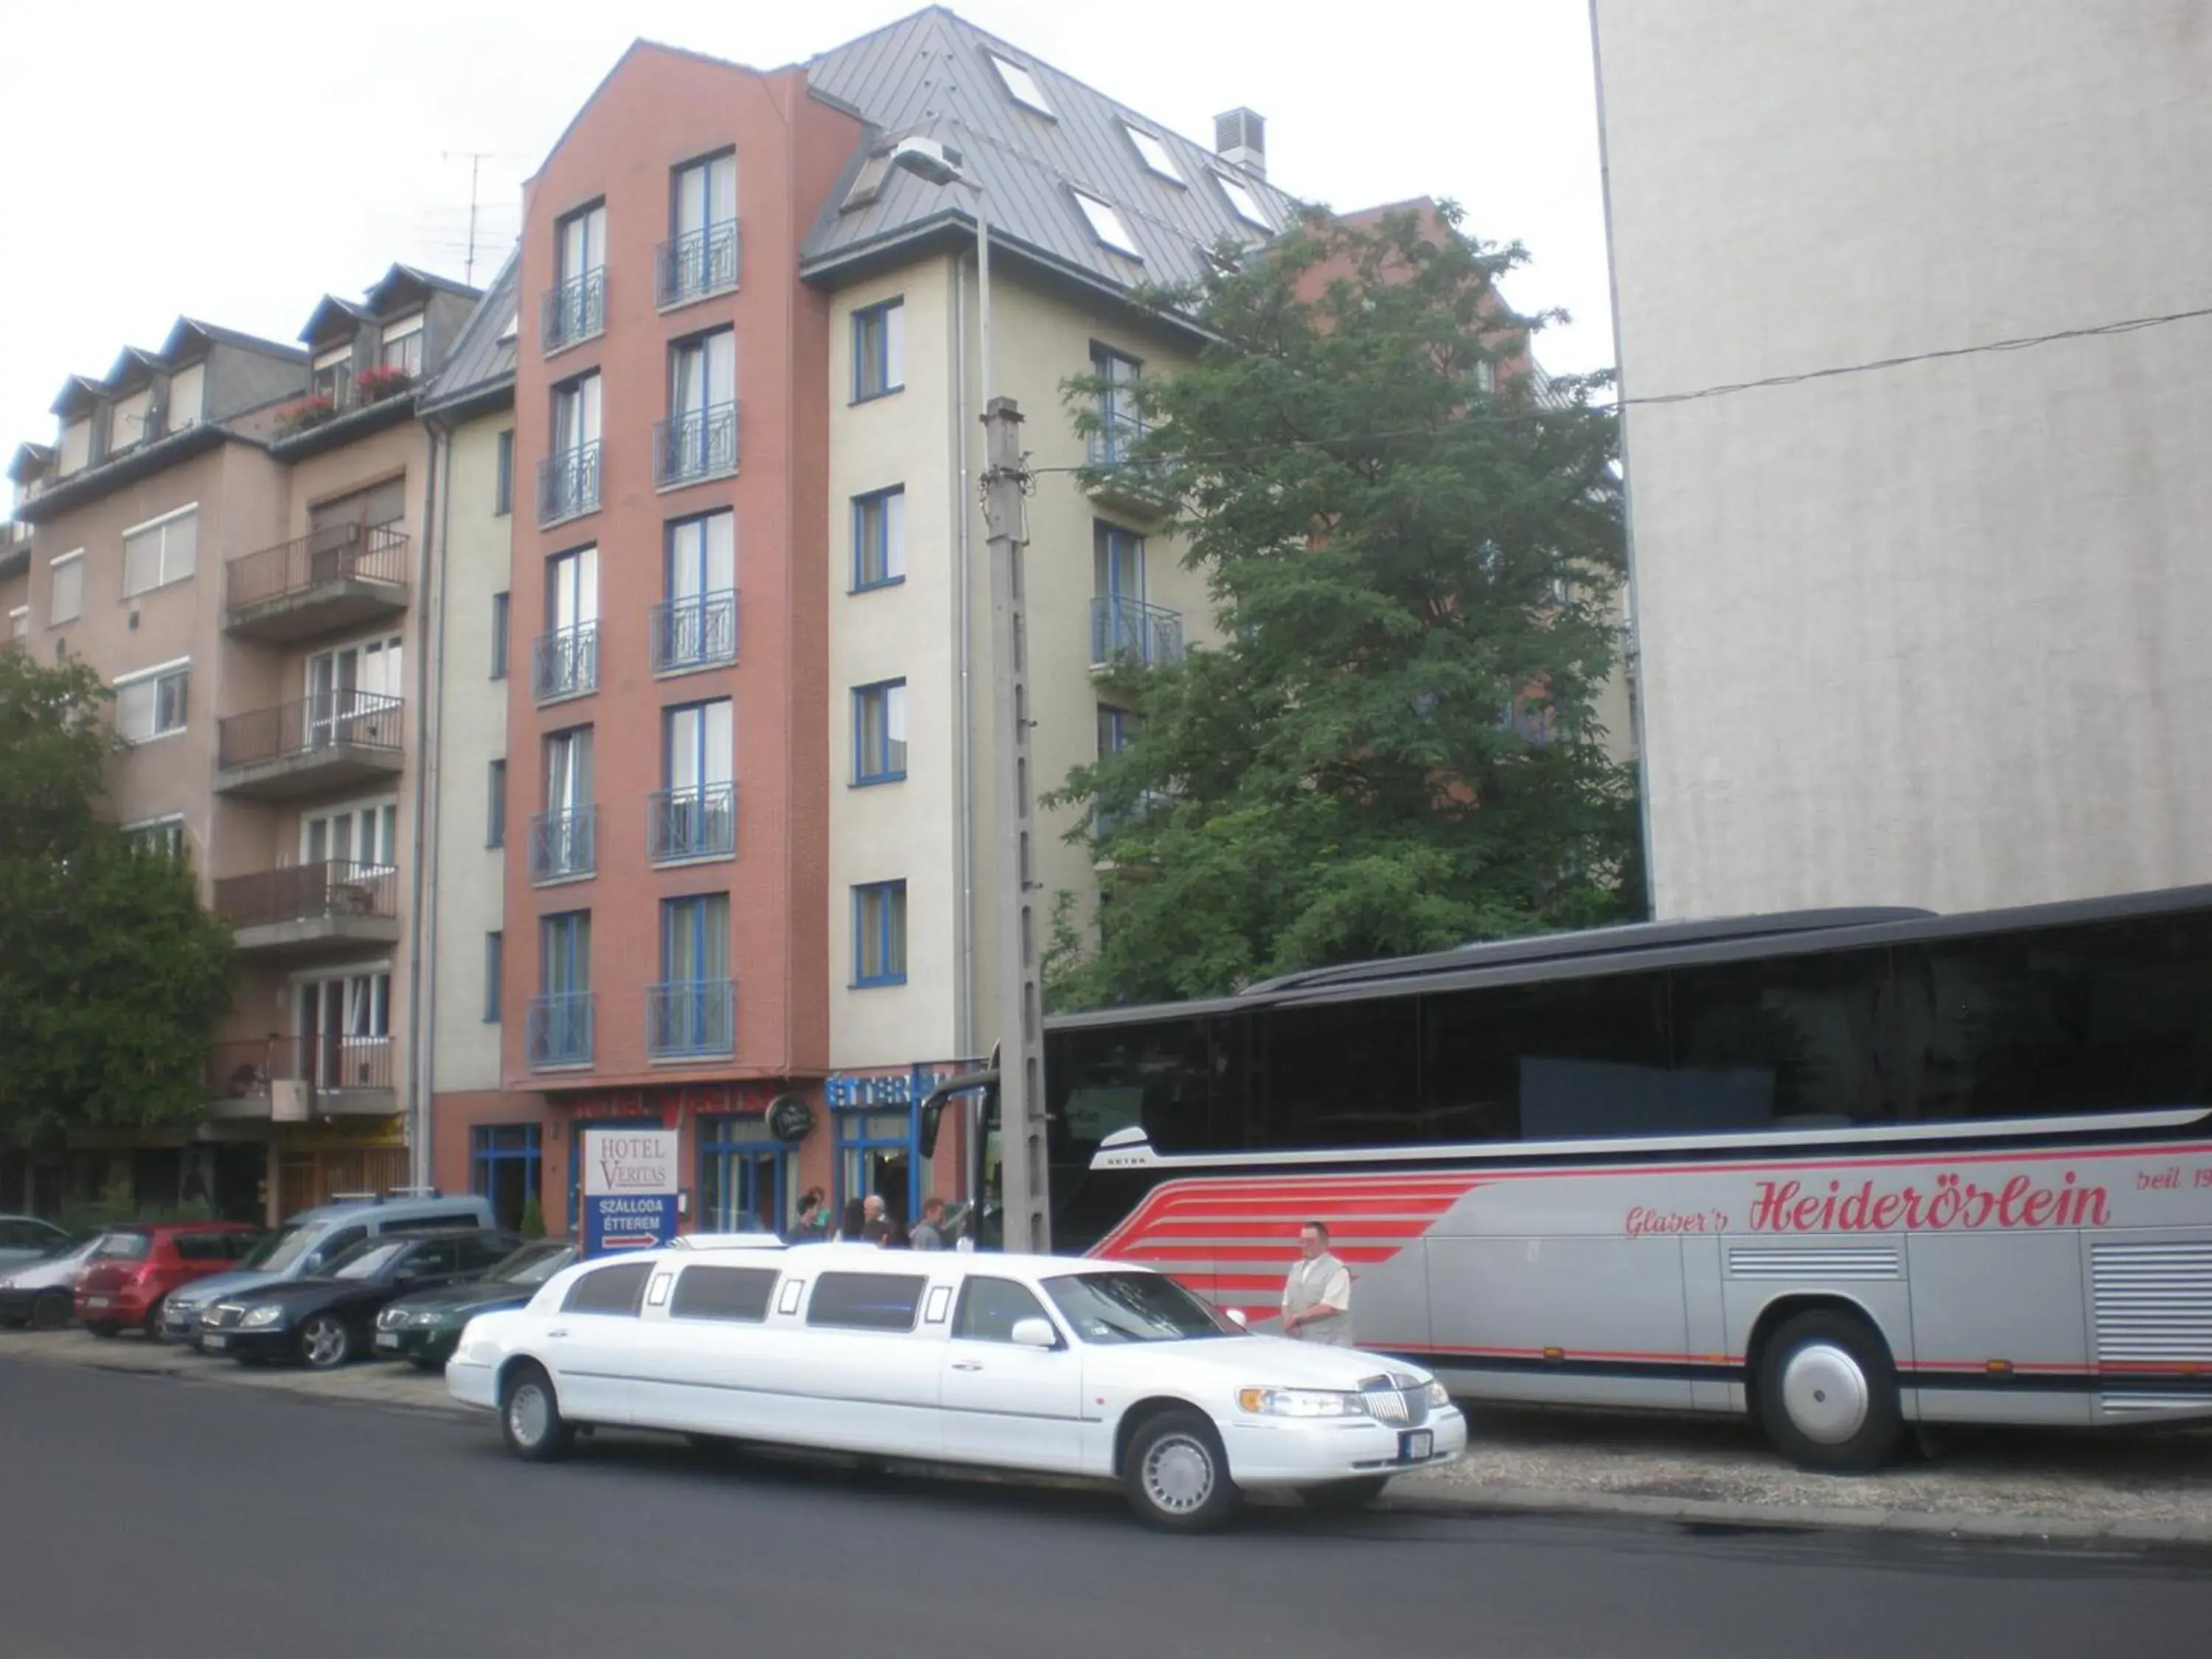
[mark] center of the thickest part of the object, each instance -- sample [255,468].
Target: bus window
[1552,1060]
[1805,1047]
[1342,1074]
[1159,1076]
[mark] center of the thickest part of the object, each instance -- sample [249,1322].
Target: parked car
[1047,1363]
[133,1268]
[310,1242]
[323,1322]
[25,1238]
[423,1326]
[37,1292]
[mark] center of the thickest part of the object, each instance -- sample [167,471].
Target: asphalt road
[161,1519]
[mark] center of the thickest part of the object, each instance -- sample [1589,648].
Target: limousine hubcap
[1825,1393]
[1178,1474]
[526,1414]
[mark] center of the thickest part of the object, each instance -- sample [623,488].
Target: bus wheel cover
[1827,1394]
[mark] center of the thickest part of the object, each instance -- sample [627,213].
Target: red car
[134,1267]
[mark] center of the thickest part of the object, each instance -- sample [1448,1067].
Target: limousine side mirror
[1034,1334]
[1236,1318]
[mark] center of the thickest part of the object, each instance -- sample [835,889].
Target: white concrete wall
[1931,635]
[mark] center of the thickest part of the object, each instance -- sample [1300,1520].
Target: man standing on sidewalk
[1317,1296]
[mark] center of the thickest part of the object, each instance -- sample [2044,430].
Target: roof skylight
[1246,203]
[1021,83]
[1106,225]
[1154,153]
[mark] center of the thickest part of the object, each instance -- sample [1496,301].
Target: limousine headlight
[1436,1395]
[262,1317]
[1301,1402]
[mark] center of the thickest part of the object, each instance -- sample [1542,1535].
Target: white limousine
[1049,1364]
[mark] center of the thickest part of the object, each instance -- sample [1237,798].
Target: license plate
[215,1344]
[96,1302]
[1416,1446]
[388,1338]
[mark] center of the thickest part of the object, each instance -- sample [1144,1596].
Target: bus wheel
[1827,1394]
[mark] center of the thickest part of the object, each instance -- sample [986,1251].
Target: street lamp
[939,164]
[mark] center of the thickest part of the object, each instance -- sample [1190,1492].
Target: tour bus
[1841,1170]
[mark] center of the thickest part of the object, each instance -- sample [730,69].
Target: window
[699,439]
[696,624]
[879,732]
[1121,421]
[502,500]
[577,307]
[130,420]
[564,839]
[202,1247]
[569,480]
[701,254]
[617,1290]
[505,1165]
[65,599]
[403,345]
[990,1308]
[1153,152]
[868,183]
[152,704]
[1106,225]
[692,1011]
[495,804]
[695,816]
[879,933]
[18,622]
[866,1302]
[346,1030]
[736,1294]
[566,663]
[187,387]
[157,554]
[879,538]
[495,971]
[1117,729]
[1020,83]
[75,448]
[365,833]
[500,619]
[159,837]
[1241,198]
[331,378]
[878,350]
[743,1176]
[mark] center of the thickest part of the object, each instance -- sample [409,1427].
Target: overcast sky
[235,160]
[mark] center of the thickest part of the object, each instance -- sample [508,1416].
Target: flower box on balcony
[304,416]
[375,385]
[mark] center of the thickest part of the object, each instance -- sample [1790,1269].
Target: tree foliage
[1414,553]
[110,973]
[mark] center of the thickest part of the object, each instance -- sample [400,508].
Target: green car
[425,1328]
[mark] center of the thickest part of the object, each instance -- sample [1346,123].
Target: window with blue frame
[506,1165]
[876,1157]
[878,350]
[562,1017]
[692,1011]
[880,731]
[879,538]
[744,1176]
[879,933]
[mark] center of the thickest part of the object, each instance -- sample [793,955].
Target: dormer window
[130,420]
[1106,225]
[1020,84]
[1241,198]
[333,375]
[75,447]
[403,345]
[1153,152]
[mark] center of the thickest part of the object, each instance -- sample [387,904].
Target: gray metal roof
[480,361]
[931,75]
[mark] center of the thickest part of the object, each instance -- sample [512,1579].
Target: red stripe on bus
[1563,1354]
[1168,1250]
[1283,1226]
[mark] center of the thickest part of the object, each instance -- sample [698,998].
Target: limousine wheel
[1178,1475]
[529,1416]
[1827,1394]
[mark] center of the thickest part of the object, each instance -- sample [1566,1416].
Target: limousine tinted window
[989,1307]
[614,1290]
[866,1302]
[740,1293]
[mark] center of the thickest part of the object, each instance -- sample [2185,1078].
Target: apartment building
[228,529]
[1926,627]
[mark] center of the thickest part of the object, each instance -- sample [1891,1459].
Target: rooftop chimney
[1240,137]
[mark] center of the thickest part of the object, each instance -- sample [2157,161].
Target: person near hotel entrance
[812,1226]
[929,1233]
[1317,1296]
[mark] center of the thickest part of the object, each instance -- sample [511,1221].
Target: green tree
[1413,550]
[110,973]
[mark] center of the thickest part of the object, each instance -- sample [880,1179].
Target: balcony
[697,263]
[695,446]
[1128,631]
[564,845]
[695,633]
[574,311]
[557,1030]
[568,485]
[349,575]
[690,1019]
[311,906]
[1130,486]
[698,822]
[286,1079]
[565,663]
[333,740]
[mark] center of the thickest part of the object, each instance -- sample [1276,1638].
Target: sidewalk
[2132,1486]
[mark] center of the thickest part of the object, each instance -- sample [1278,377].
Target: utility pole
[1021,1022]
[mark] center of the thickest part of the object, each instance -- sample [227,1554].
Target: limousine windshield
[1122,1307]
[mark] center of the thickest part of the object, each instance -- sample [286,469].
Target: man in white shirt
[1317,1296]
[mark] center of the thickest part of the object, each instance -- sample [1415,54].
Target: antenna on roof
[476,159]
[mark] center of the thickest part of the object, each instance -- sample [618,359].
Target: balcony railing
[322,558]
[308,892]
[574,311]
[1133,483]
[329,1063]
[1108,823]
[701,632]
[569,484]
[565,663]
[697,263]
[362,720]
[1128,631]
[699,822]
[564,845]
[690,1016]
[700,443]
[557,1030]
